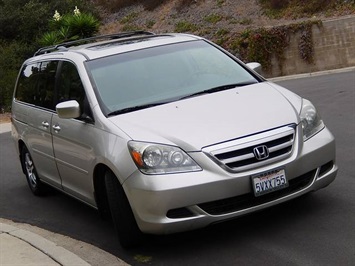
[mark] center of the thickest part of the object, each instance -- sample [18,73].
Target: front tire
[33,181]
[123,219]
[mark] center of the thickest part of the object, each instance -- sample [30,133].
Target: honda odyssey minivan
[164,132]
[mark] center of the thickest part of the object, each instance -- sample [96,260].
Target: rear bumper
[174,203]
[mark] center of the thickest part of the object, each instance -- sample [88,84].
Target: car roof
[106,45]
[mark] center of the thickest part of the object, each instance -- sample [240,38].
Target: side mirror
[68,109]
[255,66]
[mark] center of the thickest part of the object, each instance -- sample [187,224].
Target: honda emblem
[261,152]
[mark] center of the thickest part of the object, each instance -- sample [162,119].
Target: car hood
[213,118]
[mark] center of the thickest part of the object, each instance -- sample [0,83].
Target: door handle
[45,124]
[56,128]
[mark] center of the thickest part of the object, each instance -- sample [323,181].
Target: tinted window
[26,87]
[70,85]
[37,83]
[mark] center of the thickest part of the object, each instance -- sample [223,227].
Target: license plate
[270,181]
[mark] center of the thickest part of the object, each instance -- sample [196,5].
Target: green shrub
[185,26]
[129,18]
[50,38]
[213,18]
[21,24]
[12,55]
[261,44]
[25,20]
[68,27]
[21,21]
[150,24]
[83,25]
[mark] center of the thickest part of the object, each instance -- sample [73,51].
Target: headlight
[153,158]
[310,120]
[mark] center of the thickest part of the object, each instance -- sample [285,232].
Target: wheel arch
[100,190]
[21,144]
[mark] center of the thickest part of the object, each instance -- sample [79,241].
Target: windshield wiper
[135,108]
[219,88]
[212,90]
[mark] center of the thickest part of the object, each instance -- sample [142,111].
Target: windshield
[163,74]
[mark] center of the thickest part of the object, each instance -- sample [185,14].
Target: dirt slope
[209,18]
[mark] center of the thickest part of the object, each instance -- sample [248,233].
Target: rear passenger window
[26,86]
[37,83]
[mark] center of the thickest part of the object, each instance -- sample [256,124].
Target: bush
[261,44]
[12,55]
[21,23]
[25,20]
[20,20]
[68,27]
[213,18]
[185,26]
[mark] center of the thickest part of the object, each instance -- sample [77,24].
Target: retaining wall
[334,47]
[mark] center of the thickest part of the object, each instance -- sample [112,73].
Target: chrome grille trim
[237,155]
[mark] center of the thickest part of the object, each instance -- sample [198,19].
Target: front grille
[238,155]
[245,201]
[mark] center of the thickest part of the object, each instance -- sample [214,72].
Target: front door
[72,139]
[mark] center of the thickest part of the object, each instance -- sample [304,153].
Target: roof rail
[64,45]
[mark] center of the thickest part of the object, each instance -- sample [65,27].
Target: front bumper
[164,204]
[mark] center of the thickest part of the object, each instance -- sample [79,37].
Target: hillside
[254,30]
[216,19]
[236,25]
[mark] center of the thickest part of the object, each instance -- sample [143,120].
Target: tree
[21,24]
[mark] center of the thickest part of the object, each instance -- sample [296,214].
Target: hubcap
[30,170]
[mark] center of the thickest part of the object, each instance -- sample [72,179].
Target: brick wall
[334,47]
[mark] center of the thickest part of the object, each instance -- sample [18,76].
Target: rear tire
[33,180]
[123,219]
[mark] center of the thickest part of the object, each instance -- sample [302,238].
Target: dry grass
[115,5]
[150,5]
[5,118]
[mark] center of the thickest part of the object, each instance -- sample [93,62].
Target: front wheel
[123,219]
[33,181]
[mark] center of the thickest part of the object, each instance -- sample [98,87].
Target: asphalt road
[316,229]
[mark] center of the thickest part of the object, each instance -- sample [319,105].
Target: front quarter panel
[294,99]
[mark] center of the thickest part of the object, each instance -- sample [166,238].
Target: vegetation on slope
[22,24]
[234,24]
[305,8]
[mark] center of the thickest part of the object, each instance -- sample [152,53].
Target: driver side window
[70,85]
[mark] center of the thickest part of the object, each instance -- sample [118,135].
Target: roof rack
[64,45]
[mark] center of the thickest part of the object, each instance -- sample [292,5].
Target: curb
[5,127]
[56,253]
[312,74]
[21,242]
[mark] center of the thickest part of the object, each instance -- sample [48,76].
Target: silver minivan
[164,132]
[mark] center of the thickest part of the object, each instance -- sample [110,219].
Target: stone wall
[334,47]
